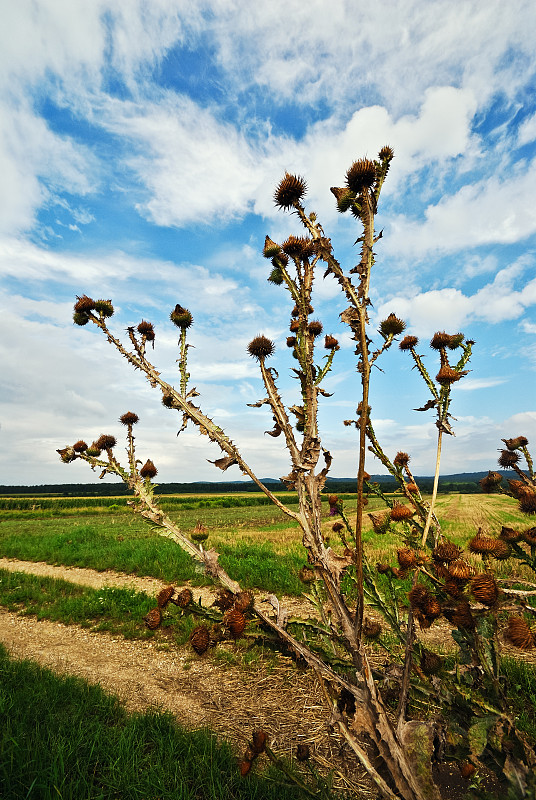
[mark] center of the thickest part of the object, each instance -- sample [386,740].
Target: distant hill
[465,482]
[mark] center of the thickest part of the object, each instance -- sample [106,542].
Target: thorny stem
[434,492]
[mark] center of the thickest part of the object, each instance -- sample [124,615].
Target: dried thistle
[225,599]
[270,248]
[290,191]
[129,418]
[183,598]
[200,639]
[508,458]
[235,621]
[80,446]
[408,343]
[181,317]
[84,305]
[164,595]
[440,340]
[519,633]
[515,444]
[392,326]
[260,348]
[401,459]
[491,482]
[446,551]
[407,558]
[106,442]
[153,619]
[330,342]
[527,502]
[315,327]
[400,512]
[485,590]
[299,247]
[361,175]
[148,470]
[482,544]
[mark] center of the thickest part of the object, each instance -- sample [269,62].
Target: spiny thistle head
[93,451]
[298,247]
[80,446]
[392,326]
[146,329]
[315,327]
[519,633]
[361,175]
[280,260]
[164,595]
[527,502]
[482,544]
[153,619]
[386,153]
[167,400]
[104,308]
[508,458]
[235,621]
[515,444]
[345,198]
[330,342]
[456,340]
[270,248]
[290,191]
[529,536]
[484,588]
[260,348]
[408,343]
[129,418]
[510,534]
[183,598]
[84,304]
[67,454]
[440,340]
[407,558]
[200,639]
[491,482]
[276,276]
[148,470]
[460,570]
[79,318]
[181,317]
[106,442]
[401,459]
[446,552]
[371,628]
[302,752]
[447,375]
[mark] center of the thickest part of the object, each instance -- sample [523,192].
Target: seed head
[235,621]
[307,574]
[80,446]
[485,589]
[106,442]
[291,341]
[79,318]
[104,308]
[371,628]
[270,248]
[258,742]
[462,616]
[153,619]
[183,598]
[440,340]
[244,601]
[225,599]
[290,191]
[276,276]
[407,558]
[146,329]
[517,488]
[148,470]
[260,348]
[361,175]
[200,639]
[167,400]
[93,451]
[430,662]
[386,153]
[408,342]
[529,536]
[330,342]
[456,340]
[67,454]
[446,551]
[392,326]
[447,375]
[519,633]
[527,502]
[482,544]
[460,570]
[345,198]
[418,596]
[510,534]
[181,317]
[515,444]
[84,304]
[164,595]
[508,458]
[130,418]
[412,488]
[491,482]
[315,327]
[401,459]
[298,247]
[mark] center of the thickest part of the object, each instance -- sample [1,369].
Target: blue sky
[140,144]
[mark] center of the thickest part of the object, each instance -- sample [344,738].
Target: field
[259,547]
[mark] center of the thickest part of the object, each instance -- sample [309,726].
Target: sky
[140,146]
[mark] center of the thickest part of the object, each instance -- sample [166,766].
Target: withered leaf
[276,431]
[323,392]
[258,404]
[427,405]
[224,463]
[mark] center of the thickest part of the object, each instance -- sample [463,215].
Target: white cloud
[527,131]
[490,211]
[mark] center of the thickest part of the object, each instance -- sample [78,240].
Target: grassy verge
[63,739]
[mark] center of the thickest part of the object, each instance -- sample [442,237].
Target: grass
[64,739]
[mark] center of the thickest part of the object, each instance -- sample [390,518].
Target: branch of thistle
[175,399]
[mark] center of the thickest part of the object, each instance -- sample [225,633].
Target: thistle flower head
[291,341]
[408,342]
[315,327]
[153,619]
[330,342]
[79,318]
[491,482]
[80,446]
[200,639]
[484,588]
[440,340]
[401,459]
[181,317]
[345,198]
[84,304]
[446,551]
[386,153]
[515,444]
[146,329]
[361,175]
[106,442]
[104,308]
[148,470]
[129,418]
[456,340]
[400,512]
[519,633]
[276,276]
[527,502]
[93,451]
[298,247]
[290,191]
[260,348]
[447,375]
[270,248]
[392,326]
[508,458]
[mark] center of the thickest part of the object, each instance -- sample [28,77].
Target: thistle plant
[395,743]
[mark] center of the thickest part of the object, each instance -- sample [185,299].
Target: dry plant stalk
[396,749]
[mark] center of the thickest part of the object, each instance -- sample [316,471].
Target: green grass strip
[63,739]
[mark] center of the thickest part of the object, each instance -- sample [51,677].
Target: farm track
[230,700]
